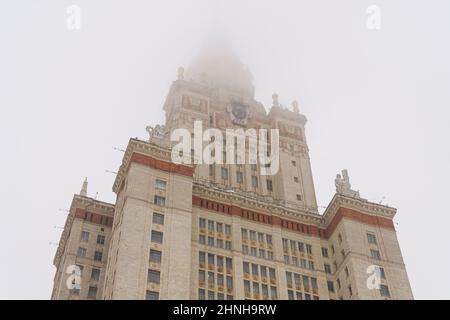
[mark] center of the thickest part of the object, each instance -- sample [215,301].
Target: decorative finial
[275,102]
[295,106]
[83,191]
[180,73]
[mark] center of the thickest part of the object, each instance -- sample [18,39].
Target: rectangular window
[84,236]
[228,245]
[98,256]
[301,247]
[273,292]
[244,234]
[153,276]
[253,251]
[268,239]
[201,294]
[210,295]
[290,295]
[269,185]
[253,167]
[157,236]
[202,223]
[299,197]
[239,177]
[381,272]
[296,179]
[224,173]
[151,295]
[327,268]
[330,286]
[375,254]
[210,225]
[202,239]
[92,292]
[95,274]
[155,256]
[309,249]
[254,181]
[100,239]
[371,238]
[229,282]
[158,218]
[211,241]
[219,227]
[219,243]
[253,235]
[227,229]
[325,252]
[160,184]
[81,252]
[269,255]
[160,201]
[384,291]
[244,249]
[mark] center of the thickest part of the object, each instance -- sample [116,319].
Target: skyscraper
[226,231]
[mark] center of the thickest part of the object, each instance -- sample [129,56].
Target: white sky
[377,103]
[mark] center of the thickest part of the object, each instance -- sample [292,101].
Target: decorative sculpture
[343,185]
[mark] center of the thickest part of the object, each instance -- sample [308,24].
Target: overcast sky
[377,103]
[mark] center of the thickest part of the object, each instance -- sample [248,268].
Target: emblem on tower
[239,113]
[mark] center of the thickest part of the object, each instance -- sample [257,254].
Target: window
[268,239]
[92,292]
[81,269]
[219,227]
[211,278]
[253,251]
[227,229]
[294,163]
[229,282]
[157,236]
[269,185]
[384,290]
[211,241]
[244,234]
[301,247]
[201,239]
[160,184]
[254,181]
[371,238]
[151,295]
[382,274]
[210,295]
[224,173]
[228,245]
[309,249]
[219,243]
[201,276]
[299,197]
[201,294]
[239,177]
[325,252]
[100,239]
[290,295]
[84,236]
[95,274]
[260,237]
[253,235]
[330,286]
[273,292]
[327,268]
[81,252]
[269,255]
[155,256]
[202,223]
[253,167]
[158,218]
[153,276]
[160,201]
[210,225]
[246,267]
[98,256]
[375,254]
[296,179]
[244,249]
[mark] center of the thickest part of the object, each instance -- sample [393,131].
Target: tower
[197,230]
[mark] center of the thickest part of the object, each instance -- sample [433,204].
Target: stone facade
[199,231]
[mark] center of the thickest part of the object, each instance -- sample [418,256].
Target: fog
[377,103]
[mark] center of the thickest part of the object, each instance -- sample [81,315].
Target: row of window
[85,235]
[215,226]
[303,286]
[213,262]
[98,255]
[259,281]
